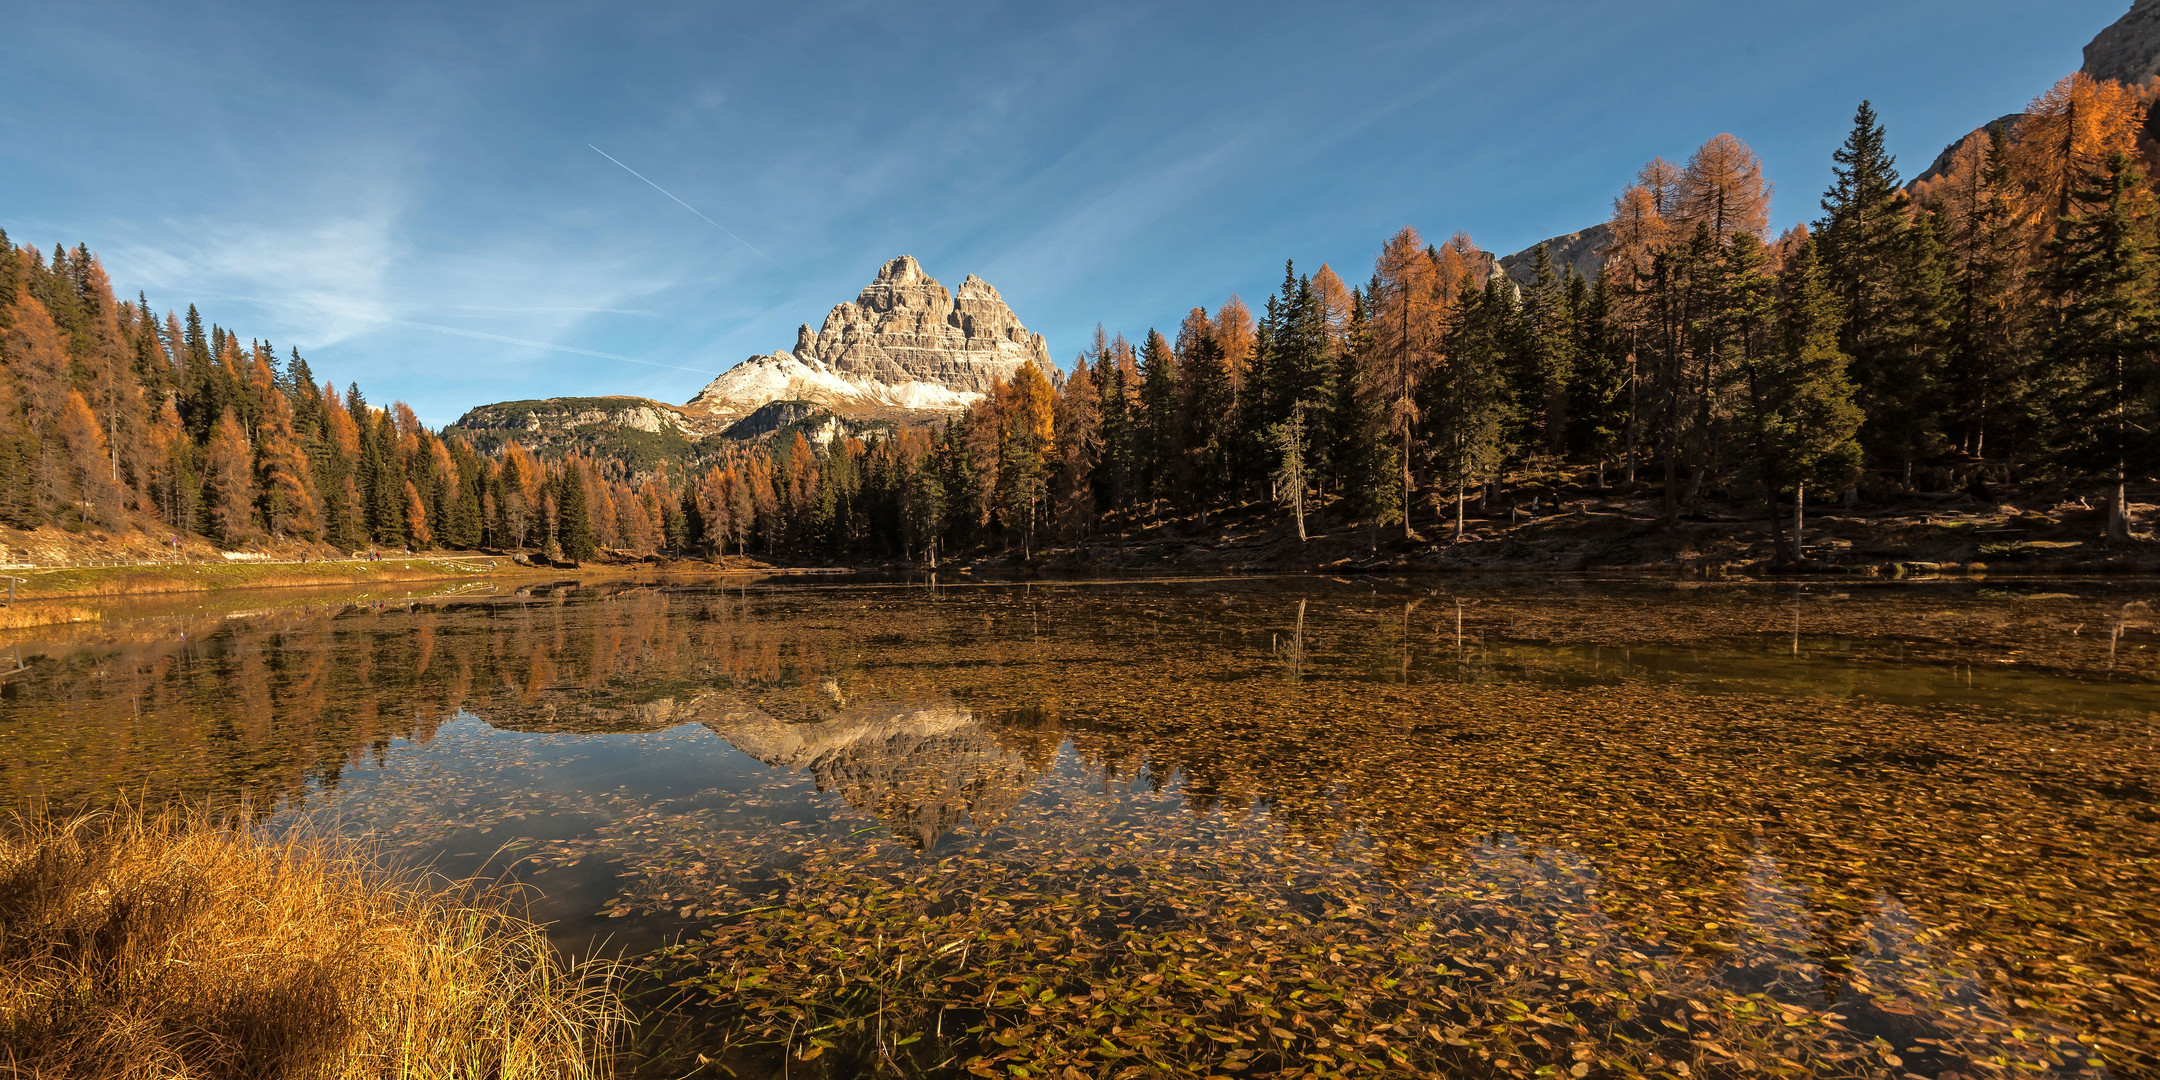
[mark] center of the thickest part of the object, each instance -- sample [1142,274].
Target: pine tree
[1079,445]
[1114,373]
[1549,354]
[1205,412]
[467,517]
[202,397]
[1026,436]
[1986,369]
[1598,397]
[2103,344]
[1368,471]
[1822,400]
[385,478]
[573,513]
[1913,348]
[925,505]
[1465,401]
[1159,444]
[684,525]
[1256,415]
[1863,249]
[1302,369]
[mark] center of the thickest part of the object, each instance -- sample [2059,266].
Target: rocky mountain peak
[903,270]
[903,344]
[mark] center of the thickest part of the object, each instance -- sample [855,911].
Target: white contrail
[534,344]
[679,202]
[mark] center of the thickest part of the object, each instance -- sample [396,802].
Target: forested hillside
[114,419]
[1993,324]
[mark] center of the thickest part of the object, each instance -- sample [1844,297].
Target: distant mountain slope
[1584,250]
[639,432]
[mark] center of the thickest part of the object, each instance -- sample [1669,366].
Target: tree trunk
[1461,496]
[2118,515]
[1407,500]
[1631,404]
[1778,554]
[1672,485]
[1799,522]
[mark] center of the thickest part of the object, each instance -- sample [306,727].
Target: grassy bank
[173,946]
[69,594]
[80,581]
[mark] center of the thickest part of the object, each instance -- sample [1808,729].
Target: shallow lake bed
[1237,826]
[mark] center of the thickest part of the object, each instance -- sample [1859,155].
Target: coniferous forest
[1995,321]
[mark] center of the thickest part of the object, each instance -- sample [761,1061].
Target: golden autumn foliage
[1723,189]
[2068,132]
[1234,332]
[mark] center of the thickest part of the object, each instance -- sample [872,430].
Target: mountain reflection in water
[1923,816]
[919,770]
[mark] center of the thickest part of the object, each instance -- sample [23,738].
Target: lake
[1254,826]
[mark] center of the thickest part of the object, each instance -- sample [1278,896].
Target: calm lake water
[1253,826]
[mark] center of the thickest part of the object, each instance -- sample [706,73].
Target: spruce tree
[1205,414]
[1159,431]
[10,278]
[385,479]
[2102,346]
[1368,464]
[1120,431]
[1303,369]
[1464,403]
[1598,399]
[1252,460]
[682,523]
[1819,397]
[201,401]
[1912,349]
[573,514]
[1863,251]
[1545,361]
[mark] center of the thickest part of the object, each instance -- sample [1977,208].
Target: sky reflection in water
[1917,824]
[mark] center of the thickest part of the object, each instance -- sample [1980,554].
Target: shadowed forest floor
[1579,529]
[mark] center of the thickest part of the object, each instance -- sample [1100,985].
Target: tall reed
[171,945]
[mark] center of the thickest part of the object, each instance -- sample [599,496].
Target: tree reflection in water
[1337,825]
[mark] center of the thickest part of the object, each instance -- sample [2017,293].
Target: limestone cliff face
[905,343]
[2128,51]
[1584,251]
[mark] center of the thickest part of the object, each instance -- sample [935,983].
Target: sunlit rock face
[920,769]
[2128,51]
[904,344]
[1583,251]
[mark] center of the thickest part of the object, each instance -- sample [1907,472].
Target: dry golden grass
[171,946]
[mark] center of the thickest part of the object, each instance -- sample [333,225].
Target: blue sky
[410,194]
